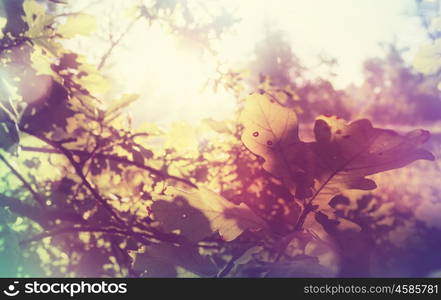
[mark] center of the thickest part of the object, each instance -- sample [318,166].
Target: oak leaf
[271,132]
[340,158]
[78,24]
[200,213]
[346,153]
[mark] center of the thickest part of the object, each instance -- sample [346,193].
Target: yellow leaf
[41,62]
[435,25]
[36,18]
[33,11]
[217,126]
[82,24]
[121,103]
[149,128]
[199,213]
[94,82]
[182,136]
[428,58]
[3,22]
[271,132]
[132,12]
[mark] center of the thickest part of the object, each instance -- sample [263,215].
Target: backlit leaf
[182,136]
[271,131]
[36,18]
[340,158]
[346,153]
[121,103]
[428,58]
[82,24]
[217,126]
[41,62]
[3,22]
[435,25]
[199,213]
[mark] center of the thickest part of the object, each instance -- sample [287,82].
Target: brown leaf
[340,158]
[346,153]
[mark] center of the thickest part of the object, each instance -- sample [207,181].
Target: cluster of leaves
[85,194]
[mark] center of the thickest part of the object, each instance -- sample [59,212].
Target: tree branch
[116,158]
[42,217]
[113,44]
[36,196]
[145,238]
[78,170]
[59,231]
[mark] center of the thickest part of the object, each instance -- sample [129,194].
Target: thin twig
[146,238]
[113,44]
[424,22]
[77,229]
[116,158]
[230,265]
[43,216]
[79,171]
[26,184]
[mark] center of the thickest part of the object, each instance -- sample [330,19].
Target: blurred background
[191,62]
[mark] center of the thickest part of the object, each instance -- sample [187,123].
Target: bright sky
[348,30]
[171,83]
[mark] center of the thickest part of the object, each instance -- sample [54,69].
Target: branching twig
[115,43]
[424,21]
[79,171]
[42,216]
[146,238]
[116,158]
[26,184]
[59,231]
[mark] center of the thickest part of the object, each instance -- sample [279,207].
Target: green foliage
[9,247]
